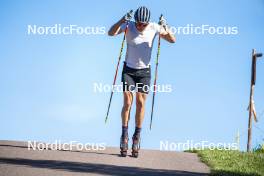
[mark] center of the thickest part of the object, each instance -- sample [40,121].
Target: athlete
[136,72]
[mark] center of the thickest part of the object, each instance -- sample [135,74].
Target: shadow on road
[7,145]
[78,151]
[94,168]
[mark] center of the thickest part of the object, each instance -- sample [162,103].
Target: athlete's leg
[140,108]
[128,100]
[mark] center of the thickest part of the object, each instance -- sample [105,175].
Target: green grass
[259,148]
[232,162]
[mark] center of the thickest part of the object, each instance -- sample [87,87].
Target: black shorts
[136,79]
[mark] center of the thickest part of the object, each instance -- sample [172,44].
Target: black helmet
[142,15]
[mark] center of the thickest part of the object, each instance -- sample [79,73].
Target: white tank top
[139,44]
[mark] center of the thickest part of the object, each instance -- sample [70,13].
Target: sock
[137,131]
[124,130]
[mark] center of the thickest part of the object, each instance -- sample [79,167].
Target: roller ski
[135,146]
[123,146]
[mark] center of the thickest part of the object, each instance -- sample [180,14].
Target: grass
[259,149]
[232,162]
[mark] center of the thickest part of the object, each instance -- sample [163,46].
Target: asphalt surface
[17,159]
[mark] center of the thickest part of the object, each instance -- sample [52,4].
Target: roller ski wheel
[123,146]
[135,146]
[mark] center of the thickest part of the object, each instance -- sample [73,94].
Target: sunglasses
[142,24]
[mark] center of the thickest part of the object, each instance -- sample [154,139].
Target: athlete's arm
[165,31]
[116,29]
[168,36]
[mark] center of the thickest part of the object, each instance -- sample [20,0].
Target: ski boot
[135,146]
[123,146]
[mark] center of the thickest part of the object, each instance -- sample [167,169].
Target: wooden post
[251,108]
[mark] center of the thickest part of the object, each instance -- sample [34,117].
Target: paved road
[17,159]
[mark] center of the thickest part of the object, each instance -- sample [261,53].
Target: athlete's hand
[163,22]
[127,16]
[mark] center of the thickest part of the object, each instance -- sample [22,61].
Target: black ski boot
[123,145]
[135,145]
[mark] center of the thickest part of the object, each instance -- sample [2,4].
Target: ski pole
[119,58]
[155,79]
